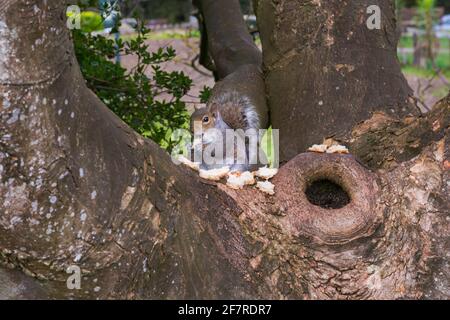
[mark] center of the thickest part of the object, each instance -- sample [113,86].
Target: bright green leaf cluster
[152,105]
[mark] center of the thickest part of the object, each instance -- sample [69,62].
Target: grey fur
[247,108]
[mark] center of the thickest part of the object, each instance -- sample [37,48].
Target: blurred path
[186,50]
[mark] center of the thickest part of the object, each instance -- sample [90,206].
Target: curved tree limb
[80,187]
[229,42]
[204,55]
[338,71]
[237,60]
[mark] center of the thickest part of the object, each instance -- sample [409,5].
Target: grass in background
[442,62]
[407,42]
[165,35]
[423,73]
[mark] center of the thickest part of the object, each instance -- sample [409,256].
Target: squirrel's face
[204,118]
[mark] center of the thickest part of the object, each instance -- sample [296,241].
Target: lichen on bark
[80,187]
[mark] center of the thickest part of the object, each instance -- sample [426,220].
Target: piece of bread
[237,180]
[266,187]
[330,142]
[320,148]
[214,174]
[338,149]
[266,173]
[193,165]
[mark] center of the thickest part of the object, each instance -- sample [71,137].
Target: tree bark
[79,187]
[227,37]
[237,60]
[326,71]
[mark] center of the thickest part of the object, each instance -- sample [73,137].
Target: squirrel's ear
[197,106]
[214,109]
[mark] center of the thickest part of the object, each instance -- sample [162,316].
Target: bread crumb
[321,148]
[193,165]
[214,174]
[266,187]
[330,142]
[337,149]
[237,180]
[266,173]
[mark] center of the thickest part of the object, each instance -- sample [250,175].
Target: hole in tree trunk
[327,194]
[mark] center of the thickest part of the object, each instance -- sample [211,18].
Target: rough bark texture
[326,71]
[237,60]
[80,187]
[227,37]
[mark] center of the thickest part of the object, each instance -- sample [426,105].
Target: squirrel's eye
[205,119]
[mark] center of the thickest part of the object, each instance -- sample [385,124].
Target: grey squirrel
[235,103]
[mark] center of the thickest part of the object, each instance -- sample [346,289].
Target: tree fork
[80,187]
[237,60]
[325,71]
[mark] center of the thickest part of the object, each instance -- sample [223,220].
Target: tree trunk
[79,187]
[326,70]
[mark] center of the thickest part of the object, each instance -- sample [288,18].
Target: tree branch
[79,187]
[229,42]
